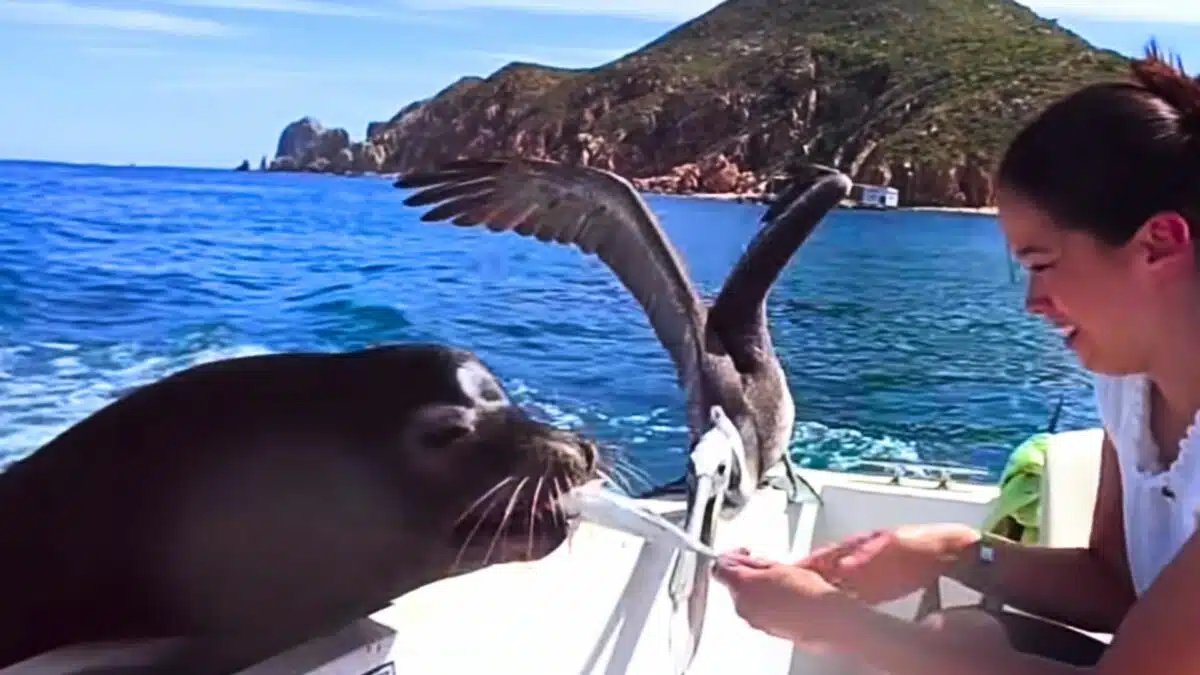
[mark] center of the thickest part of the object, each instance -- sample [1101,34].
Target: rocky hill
[918,94]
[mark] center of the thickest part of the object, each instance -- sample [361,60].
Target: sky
[210,82]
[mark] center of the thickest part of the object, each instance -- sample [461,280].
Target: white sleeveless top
[1160,503]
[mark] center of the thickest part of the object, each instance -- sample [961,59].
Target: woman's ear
[1165,243]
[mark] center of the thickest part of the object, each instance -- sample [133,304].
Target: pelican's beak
[715,458]
[690,578]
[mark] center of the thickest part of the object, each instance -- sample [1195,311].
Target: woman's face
[1106,301]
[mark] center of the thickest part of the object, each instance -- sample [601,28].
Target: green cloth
[1018,511]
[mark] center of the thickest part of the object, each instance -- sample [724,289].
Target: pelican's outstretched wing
[596,210]
[737,313]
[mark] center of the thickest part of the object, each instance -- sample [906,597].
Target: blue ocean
[903,335]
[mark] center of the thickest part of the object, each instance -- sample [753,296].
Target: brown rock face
[298,137]
[713,174]
[305,145]
[918,94]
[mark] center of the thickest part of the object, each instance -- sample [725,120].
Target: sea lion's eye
[443,436]
[439,425]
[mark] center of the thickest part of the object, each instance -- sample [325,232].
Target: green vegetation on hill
[920,94]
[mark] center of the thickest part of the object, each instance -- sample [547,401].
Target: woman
[1099,197]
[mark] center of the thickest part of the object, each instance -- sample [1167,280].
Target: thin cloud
[248,77]
[62,13]
[306,7]
[237,80]
[123,51]
[366,9]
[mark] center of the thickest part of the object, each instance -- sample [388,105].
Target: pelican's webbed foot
[798,489]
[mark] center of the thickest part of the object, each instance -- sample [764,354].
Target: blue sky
[209,82]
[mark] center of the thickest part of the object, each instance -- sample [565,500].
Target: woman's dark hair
[1109,156]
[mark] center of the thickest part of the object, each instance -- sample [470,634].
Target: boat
[600,605]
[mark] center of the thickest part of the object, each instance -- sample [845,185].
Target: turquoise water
[901,332]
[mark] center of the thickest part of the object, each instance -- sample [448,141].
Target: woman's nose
[1042,305]
[1036,300]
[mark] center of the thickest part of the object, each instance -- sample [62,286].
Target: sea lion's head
[380,471]
[497,470]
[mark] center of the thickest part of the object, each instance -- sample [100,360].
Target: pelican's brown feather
[597,211]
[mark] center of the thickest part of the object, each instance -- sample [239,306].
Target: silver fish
[598,505]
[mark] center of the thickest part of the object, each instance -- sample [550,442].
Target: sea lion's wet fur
[279,495]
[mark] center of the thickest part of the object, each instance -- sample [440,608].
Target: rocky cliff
[306,145]
[917,94]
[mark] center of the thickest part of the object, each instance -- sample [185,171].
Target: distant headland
[728,103]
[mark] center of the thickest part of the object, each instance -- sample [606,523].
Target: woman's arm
[1089,588]
[1157,636]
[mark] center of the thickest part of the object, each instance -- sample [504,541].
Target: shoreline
[989,211]
[848,206]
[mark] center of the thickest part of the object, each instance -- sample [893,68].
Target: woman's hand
[780,599]
[889,564]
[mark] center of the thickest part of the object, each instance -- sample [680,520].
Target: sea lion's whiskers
[621,470]
[485,495]
[604,476]
[504,521]
[471,535]
[613,478]
[630,472]
[560,514]
[533,512]
[638,470]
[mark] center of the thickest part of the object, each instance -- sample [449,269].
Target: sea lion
[273,498]
[723,353]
